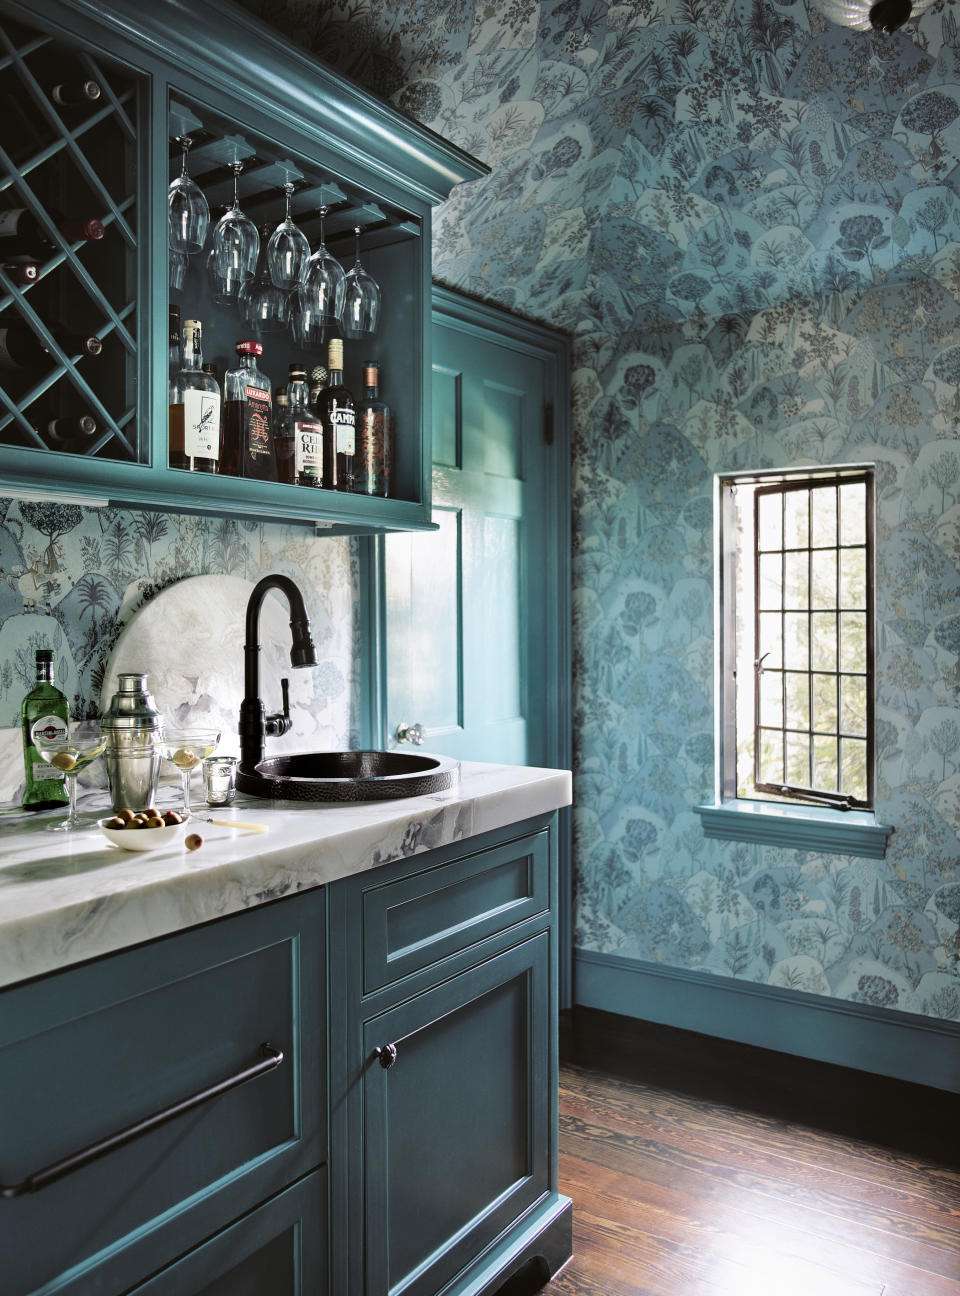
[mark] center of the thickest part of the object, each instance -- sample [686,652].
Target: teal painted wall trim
[923,1050]
[811,828]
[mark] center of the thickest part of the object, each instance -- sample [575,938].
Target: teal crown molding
[809,828]
[189,38]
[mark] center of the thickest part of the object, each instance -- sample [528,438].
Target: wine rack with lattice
[68,336]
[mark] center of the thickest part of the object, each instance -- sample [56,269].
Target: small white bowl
[143,839]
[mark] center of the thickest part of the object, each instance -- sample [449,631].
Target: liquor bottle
[282,439]
[337,416]
[248,419]
[194,409]
[318,380]
[43,714]
[75,92]
[20,348]
[21,272]
[176,359]
[300,436]
[21,232]
[374,459]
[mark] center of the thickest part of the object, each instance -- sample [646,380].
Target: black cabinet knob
[387,1055]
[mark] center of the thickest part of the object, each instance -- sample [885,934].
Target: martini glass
[323,285]
[185,749]
[361,306]
[81,747]
[287,250]
[187,208]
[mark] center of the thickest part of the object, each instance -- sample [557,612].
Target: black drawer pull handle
[270,1059]
[387,1055]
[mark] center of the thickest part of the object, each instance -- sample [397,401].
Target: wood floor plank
[678,1193]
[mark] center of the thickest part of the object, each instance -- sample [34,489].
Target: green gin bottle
[43,712]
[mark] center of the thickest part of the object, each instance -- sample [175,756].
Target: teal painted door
[466,606]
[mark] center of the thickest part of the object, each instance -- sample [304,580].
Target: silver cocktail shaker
[132,756]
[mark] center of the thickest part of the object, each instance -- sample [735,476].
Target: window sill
[811,828]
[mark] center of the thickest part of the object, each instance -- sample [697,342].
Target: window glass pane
[797,571]
[771,756]
[771,640]
[825,703]
[824,654]
[798,760]
[771,575]
[797,646]
[853,768]
[853,641]
[798,700]
[853,513]
[824,591]
[825,763]
[853,578]
[823,511]
[796,519]
[770,521]
[853,704]
[771,698]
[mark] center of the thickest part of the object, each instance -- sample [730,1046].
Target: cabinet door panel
[456,1129]
[278,1248]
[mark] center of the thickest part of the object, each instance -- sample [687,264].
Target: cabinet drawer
[101,1048]
[278,1249]
[417,920]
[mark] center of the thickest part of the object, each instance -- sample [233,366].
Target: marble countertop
[72,897]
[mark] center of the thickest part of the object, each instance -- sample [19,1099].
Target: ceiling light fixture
[884,16]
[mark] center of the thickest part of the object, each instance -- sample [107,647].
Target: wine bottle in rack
[69,431]
[20,348]
[335,409]
[22,233]
[75,92]
[194,429]
[21,272]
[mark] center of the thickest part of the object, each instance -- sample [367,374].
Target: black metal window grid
[813,639]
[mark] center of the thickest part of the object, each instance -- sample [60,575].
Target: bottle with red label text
[194,409]
[335,409]
[248,448]
[299,435]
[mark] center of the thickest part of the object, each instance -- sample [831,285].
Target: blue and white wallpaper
[749,221]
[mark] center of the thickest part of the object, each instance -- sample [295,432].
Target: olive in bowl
[144,830]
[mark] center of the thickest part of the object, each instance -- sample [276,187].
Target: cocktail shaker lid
[132,707]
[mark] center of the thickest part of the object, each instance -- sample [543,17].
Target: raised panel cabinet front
[456,1119]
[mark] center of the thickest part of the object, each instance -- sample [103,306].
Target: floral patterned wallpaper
[747,219]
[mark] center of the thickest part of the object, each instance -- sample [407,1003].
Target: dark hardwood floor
[698,1166]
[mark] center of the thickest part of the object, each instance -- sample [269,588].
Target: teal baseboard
[923,1050]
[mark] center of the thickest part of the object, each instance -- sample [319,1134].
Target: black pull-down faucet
[255,725]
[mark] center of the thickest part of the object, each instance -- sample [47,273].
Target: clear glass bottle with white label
[44,718]
[194,409]
[299,435]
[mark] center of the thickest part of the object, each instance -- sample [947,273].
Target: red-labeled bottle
[248,449]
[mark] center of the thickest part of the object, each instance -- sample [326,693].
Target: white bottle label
[48,729]
[201,424]
[307,447]
[344,431]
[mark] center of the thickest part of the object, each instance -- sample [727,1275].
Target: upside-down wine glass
[188,213]
[323,286]
[82,745]
[185,749]
[361,304]
[265,307]
[288,250]
[234,247]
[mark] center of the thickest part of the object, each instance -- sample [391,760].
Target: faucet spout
[254,723]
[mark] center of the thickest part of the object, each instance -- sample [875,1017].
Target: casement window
[795,636]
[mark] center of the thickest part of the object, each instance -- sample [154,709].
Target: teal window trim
[809,828]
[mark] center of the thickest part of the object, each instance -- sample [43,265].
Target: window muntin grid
[813,640]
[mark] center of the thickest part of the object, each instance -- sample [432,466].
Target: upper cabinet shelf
[95,97]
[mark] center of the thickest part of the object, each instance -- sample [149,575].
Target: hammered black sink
[350,776]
